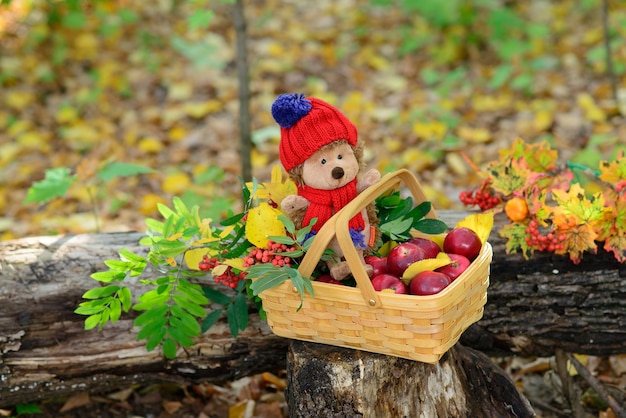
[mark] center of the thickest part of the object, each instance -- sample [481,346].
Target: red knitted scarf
[325,203]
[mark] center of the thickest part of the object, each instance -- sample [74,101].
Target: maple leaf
[539,157]
[616,244]
[510,175]
[574,204]
[577,240]
[615,171]
[515,234]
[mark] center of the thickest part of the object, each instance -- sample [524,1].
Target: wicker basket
[414,327]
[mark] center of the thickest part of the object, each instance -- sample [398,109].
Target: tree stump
[326,381]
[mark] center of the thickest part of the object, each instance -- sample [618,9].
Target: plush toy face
[330,167]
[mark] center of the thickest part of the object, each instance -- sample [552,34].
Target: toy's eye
[323,161]
[339,157]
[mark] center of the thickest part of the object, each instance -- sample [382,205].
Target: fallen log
[533,308]
[45,351]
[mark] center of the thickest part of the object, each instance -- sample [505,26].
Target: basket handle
[337,226]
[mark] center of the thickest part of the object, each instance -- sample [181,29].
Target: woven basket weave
[414,327]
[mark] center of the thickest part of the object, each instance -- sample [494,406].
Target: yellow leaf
[182,90]
[194,256]
[226,232]
[219,270]
[148,203]
[259,159]
[436,238]
[66,114]
[590,108]
[176,183]
[433,130]
[476,135]
[236,263]
[19,100]
[177,133]
[263,222]
[198,110]
[427,264]
[150,145]
[171,261]
[481,223]
[175,236]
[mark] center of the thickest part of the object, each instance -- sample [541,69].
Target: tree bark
[328,381]
[534,306]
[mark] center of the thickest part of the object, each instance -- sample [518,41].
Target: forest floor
[429,89]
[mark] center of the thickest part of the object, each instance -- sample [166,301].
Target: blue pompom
[288,109]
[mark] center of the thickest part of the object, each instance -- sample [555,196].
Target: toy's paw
[369,270]
[370,178]
[340,271]
[293,204]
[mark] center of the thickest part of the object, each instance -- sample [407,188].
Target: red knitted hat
[306,125]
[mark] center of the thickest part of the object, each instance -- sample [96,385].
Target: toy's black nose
[337,173]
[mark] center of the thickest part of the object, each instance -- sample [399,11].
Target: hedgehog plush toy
[320,151]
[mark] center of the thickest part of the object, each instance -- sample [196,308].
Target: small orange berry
[516,209]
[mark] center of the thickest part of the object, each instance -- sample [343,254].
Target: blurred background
[153,86]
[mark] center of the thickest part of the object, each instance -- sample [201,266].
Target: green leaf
[125,298]
[180,207]
[152,328]
[189,306]
[90,307]
[179,335]
[116,310]
[156,313]
[281,239]
[127,255]
[155,339]
[74,19]
[232,220]
[288,223]
[240,303]
[55,184]
[118,265]
[26,408]
[169,348]
[216,296]
[100,292]
[200,19]
[301,283]
[192,291]
[185,320]
[108,276]
[211,319]
[92,321]
[150,299]
[155,226]
[266,279]
[397,228]
[231,316]
[419,211]
[113,170]
[431,226]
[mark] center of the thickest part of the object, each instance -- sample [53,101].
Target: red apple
[428,283]
[379,264]
[388,281]
[402,256]
[462,241]
[431,248]
[327,278]
[459,264]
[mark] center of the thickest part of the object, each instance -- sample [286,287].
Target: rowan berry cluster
[271,254]
[546,241]
[483,198]
[229,278]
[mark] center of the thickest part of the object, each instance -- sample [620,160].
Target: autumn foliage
[555,206]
